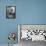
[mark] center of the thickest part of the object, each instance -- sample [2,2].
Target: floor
[30,43]
[7,45]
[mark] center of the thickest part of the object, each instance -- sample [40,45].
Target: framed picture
[32,32]
[10,12]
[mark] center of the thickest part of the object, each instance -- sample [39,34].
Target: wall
[27,12]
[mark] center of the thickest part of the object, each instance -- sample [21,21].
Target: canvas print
[10,12]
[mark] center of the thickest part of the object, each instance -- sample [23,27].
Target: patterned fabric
[32,33]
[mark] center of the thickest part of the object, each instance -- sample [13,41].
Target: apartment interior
[29,13]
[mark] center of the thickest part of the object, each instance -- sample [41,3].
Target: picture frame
[10,12]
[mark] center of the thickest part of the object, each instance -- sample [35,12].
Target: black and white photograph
[10,12]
